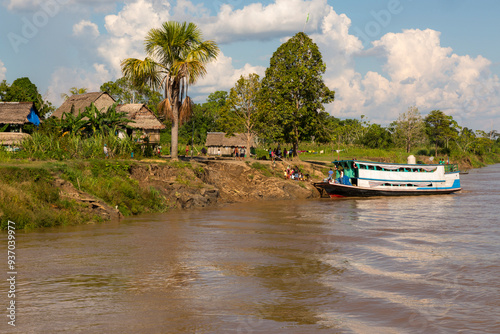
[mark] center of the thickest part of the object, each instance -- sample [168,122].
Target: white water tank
[411,160]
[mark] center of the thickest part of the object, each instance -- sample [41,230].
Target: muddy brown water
[381,265]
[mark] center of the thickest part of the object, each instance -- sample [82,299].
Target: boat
[368,178]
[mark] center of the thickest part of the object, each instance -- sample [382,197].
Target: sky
[382,56]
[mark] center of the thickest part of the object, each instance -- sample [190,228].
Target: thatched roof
[15,112]
[141,115]
[220,139]
[81,101]
[12,138]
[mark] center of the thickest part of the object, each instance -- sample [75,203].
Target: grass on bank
[29,197]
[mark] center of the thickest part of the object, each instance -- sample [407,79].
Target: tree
[23,90]
[293,91]
[215,104]
[325,125]
[123,91]
[74,91]
[440,128]
[465,139]
[176,58]
[4,87]
[377,137]
[241,110]
[409,128]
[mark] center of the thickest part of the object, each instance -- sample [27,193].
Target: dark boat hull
[341,190]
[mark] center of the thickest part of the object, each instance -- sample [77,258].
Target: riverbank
[52,193]
[42,194]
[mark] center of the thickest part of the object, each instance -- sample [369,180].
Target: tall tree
[465,139]
[440,128]
[293,91]
[241,111]
[23,90]
[176,58]
[409,128]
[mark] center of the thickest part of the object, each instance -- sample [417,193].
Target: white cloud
[417,71]
[221,75]
[127,30]
[3,70]
[86,28]
[256,21]
[64,78]
[35,5]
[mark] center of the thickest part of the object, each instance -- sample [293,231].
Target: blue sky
[382,56]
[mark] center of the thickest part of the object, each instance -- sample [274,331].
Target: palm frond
[186,110]
[142,72]
[165,108]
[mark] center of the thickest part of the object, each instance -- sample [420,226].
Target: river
[427,264]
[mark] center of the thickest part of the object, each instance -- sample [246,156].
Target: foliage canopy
[293,91]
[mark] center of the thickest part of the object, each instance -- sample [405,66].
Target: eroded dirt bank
[218,182]
[194,184]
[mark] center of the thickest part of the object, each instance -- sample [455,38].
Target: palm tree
[176,58]
[74,91]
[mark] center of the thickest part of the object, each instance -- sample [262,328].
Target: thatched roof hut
[12,138]
[143,120]
[101,100]
[141,115]
[218,144]
[16,112]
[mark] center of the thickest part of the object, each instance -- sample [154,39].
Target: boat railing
[451,168]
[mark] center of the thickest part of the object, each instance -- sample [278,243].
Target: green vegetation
[264,169]
[111,182]
[29,195]
[293,92]
[241,110]
[79,137]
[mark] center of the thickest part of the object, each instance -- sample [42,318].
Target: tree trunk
[247,149]
[174,151]
[174,143]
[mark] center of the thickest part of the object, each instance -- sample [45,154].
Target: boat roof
[384,163]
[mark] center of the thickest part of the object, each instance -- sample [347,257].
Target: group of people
[294,173]
[239,153]
[277,153]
